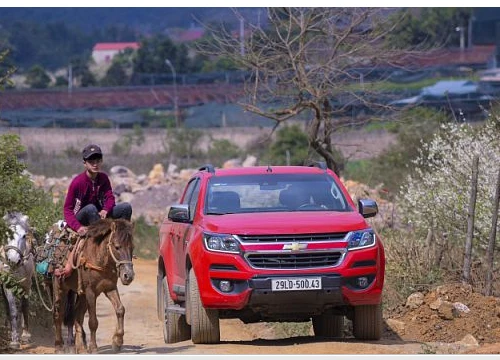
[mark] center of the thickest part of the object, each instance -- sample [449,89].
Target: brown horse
[103,256]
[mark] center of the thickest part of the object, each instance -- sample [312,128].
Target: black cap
[90,150]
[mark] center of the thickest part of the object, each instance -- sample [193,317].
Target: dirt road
[143,332]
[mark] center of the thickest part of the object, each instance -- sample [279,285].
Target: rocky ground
[449,313]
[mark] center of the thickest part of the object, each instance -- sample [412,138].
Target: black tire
[328,325]
[159,297]
[367,322]
[175,328]
[204,322]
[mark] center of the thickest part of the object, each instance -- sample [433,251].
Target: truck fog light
[225,286]
[362,282]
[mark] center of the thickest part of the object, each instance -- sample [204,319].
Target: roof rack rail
[208,167]
[319,164]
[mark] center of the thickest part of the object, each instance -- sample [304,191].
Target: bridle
[23,256]
[110,249]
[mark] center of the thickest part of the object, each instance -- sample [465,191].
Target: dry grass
[354,144]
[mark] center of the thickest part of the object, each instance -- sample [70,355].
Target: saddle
[59,242]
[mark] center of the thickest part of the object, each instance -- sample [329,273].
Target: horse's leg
[69,316]
[26,335]
[6,304]
[69,319]
[80,309]
[114,297]
[93,322]
[15,318]
[57,292]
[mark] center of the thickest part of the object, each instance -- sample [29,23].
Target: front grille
[294,261]
[292,238]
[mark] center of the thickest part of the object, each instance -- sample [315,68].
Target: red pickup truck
[272,244]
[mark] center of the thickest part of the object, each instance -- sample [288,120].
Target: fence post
[491,241]
[470,222]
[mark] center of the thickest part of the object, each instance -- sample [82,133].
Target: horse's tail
[69,314]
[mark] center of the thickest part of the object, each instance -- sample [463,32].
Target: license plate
[296,283]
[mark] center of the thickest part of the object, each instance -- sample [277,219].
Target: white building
[103,53]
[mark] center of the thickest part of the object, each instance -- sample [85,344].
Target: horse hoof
[26,339]
[115,348]
[80,350]
[15,345]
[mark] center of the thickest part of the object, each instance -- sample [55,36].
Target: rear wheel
[328,325]
[367,322]
[204,322]
[175,328]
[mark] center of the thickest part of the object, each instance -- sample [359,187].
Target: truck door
[180,235]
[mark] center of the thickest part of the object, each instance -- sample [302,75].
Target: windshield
[273,192]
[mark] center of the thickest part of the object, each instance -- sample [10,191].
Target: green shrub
[145,239]
[290,147]
[183,145]
[221,151]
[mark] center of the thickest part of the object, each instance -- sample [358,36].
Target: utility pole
[70,78]
[469,32]
[176,109]
[462,37]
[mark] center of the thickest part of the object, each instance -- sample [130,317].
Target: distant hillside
[145,20]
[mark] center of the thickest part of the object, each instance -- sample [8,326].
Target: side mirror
[179,213]
[367,207]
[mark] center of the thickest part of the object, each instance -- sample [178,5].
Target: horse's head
[17,247]
[121,248]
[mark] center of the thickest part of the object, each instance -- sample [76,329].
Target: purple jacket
[83,191]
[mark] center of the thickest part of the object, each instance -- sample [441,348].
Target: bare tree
[311,61]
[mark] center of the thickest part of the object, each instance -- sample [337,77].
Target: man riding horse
[90,198]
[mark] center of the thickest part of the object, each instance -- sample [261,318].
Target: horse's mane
[101,228]
[17,218]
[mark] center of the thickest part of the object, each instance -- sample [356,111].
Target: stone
[415,300]
[397,326]
[157,174]
[447,311]
[468,340]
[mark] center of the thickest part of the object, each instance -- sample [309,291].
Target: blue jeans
[89,213]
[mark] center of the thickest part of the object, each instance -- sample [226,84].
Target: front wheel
[175,328]
[367,322]
[204,322]
[328,325]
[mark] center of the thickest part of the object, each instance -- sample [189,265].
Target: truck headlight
[221,242]
[360,239]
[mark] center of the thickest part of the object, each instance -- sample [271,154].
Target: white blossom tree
[436,197]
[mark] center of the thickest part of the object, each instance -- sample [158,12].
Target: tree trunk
[491,241]
[470,222]
[322,144]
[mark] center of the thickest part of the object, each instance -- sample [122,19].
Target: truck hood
[285,223]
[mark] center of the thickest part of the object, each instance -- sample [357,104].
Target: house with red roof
[103,53]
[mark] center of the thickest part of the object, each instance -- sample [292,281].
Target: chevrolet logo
[295,246]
